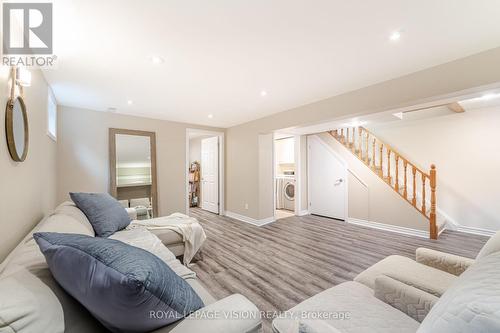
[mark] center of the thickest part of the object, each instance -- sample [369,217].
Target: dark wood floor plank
[283,263]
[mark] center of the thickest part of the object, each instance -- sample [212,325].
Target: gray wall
[83,158]
[28,189]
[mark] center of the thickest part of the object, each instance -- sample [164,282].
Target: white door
[326,181]
[210,174]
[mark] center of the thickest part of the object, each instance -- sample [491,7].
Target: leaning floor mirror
[132,162]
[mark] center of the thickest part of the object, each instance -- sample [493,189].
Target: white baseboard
[390,227]
[303,212]
[250,220]
[475,231]
[453,225]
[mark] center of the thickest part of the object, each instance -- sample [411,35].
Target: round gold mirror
[16,128]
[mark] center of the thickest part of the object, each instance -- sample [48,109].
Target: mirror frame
[9,129]
[112,163]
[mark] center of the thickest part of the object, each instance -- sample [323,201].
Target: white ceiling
[220,54]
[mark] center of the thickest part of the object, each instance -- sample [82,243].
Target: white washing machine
[285,192]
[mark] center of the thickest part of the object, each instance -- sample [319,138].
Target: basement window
[51,116]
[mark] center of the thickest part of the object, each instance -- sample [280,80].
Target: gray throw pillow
[104,212]
[126,288]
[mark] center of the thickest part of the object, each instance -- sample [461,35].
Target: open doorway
[205,171]
[284,176]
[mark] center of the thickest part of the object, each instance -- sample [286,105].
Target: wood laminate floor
[283,263]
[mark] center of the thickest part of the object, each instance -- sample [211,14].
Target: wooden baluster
[396,185]
[389,166]
[360,142]
[405,191]
[353,131]
[351,139]
[348,140]
[342,138]
[367,156]
[373,154]
[414,199]
[432,217]
[423,195]
[381,159]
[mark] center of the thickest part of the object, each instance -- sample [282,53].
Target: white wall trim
[298,172]
[303,212]
[222,176]
[476,231]
[452,224]
[246,219]
[390,227]
[470,230]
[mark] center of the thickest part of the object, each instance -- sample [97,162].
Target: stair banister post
[389,166]
[367,156]
[374,163]
[381,157]
[360,142]
[432,218]
[414,198]
[396,185]
[424,210]
[405,193]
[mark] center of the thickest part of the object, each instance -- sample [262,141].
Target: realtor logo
[27,28]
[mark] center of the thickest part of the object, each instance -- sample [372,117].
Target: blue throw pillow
[126,288]
[104,212]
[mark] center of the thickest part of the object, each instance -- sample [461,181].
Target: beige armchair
[410,272]
[445,262]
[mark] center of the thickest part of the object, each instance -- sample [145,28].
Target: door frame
[221,166]
[346,174]
[298,176]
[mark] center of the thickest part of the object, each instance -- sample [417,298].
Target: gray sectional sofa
[32,302]
[437,292]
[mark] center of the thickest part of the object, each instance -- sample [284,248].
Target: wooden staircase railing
[394,169]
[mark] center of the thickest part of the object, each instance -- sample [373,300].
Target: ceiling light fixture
[398,115]
[210,116]
[157,60]
[395,36]
[130,102]
[263,93]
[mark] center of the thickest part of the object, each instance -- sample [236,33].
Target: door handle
[338,182]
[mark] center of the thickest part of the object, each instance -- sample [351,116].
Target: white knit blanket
[189,228]
[146,240]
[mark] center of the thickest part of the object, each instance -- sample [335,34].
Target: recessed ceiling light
[263,93]
[395,36]
[210,116]
[156,60]
[129,102]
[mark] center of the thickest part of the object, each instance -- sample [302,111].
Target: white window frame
[51,99]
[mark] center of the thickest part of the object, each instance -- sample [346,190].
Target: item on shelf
[194,184]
